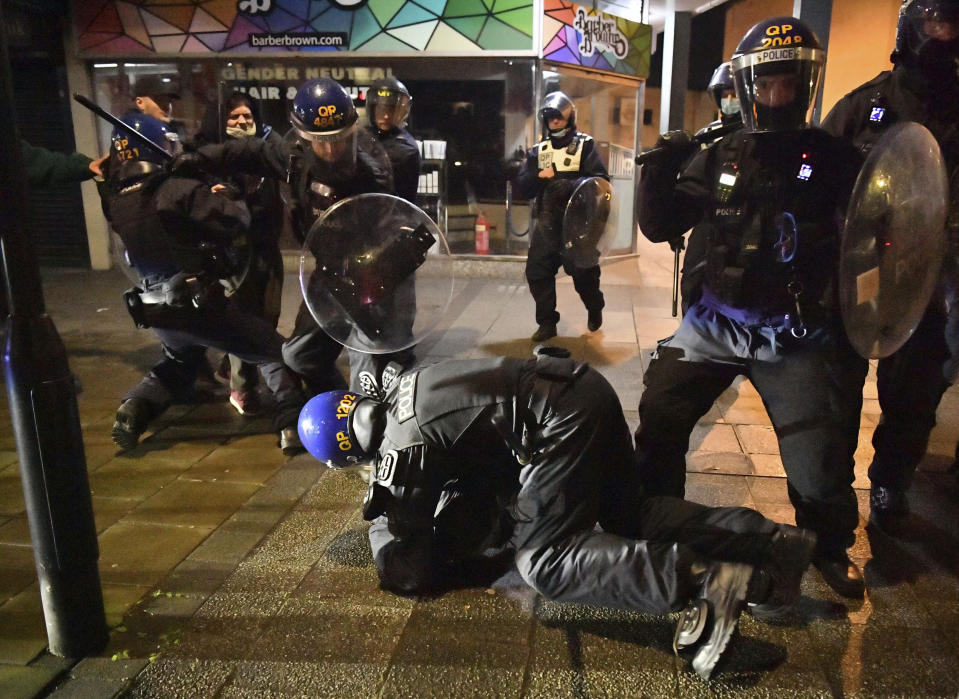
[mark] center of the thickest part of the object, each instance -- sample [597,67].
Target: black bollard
[46,423]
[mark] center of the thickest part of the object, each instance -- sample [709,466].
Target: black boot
[788,557]
[840,573]
[709,621]
[888,508]
[544,332]
[594,320]
[132,418]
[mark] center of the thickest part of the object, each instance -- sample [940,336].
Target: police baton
[699,138]
[104,114]
[675,280]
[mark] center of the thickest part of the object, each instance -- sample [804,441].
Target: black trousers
[189,331]
[910,383]
[543,261]
[811,388]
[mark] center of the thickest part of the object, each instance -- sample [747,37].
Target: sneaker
[789,556]
[888,507]
[709,621]
[544,332]
[840,573]
[131,421]
[290,442]
[247,403]
[595,320]
[223,373]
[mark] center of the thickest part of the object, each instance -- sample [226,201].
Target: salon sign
[581,36]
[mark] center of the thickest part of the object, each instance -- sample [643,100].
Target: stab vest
[149,247]
[774,217]
[566,159]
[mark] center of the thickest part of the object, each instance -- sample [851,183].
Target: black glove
[187,164]
[677,244]
[671,150]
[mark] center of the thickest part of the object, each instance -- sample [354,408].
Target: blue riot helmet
[323,116]
[127,146]
[778,69]
[324,428]
[558,105]
[388,104]
[720,84]
[927,42]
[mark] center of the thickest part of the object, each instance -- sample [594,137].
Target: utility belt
[532,398]
[163,304]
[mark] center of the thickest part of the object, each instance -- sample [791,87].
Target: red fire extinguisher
[482,234]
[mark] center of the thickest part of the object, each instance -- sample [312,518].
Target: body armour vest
[436,405]
[149,247]
[774,219]
[565,159]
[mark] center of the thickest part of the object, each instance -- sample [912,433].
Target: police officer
[388,109]
[772,194]
[325,159]
[179,233]
[922,87]
[155,96]
[552,170]
[723,91]
[261,285]
[471,453]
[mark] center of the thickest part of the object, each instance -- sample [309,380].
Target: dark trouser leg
[561,498]
[813,394]
[676,395]
[312,353]
[586,283]
[172,379]
[910,384]
[243,376]
[542,262]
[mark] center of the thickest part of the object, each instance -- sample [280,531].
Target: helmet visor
[777,87]
[389,110]
[338,147]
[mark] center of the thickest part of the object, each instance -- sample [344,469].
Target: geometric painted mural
[138,27]
[585,37]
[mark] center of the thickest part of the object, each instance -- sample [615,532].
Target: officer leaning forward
[325,159]
[179,235]
[923,87]
[551,172]
[473,453]
[773,194]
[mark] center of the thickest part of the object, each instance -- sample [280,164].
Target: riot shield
[376,273]
[589,224]
[893,241]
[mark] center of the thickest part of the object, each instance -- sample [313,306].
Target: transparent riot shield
[893,241]
[589,224]
[376,273]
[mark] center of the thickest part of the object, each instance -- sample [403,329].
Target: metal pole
[46,423]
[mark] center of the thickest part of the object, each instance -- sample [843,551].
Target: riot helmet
[558,105]
[324,117]
[127,147]
[388,104]
[722,88]
[778,69]
[927,42]
[324,428]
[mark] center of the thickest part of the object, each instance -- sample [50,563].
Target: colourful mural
[585,37]
[138,27]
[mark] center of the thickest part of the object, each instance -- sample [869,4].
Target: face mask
[248,129]
[729,105]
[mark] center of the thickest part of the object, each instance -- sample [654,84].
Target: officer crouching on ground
[179,235]
[470,454]
[774,194]
[550,174]
[325,159]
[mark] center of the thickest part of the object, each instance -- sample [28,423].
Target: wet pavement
[229,570]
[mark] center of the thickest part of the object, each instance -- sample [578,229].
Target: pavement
[229,570]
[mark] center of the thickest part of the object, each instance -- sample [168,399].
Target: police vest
[773,219]
[149,247]
[565,159]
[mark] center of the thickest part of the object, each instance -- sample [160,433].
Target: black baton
[100,112]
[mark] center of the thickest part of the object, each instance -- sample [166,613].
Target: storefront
[476,69]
